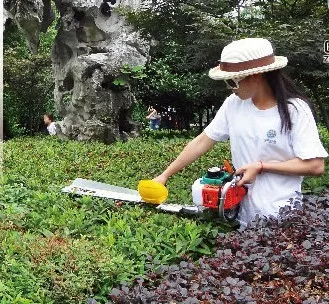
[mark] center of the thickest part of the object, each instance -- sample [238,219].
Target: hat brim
[279,63]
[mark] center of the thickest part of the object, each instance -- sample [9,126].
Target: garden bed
[57,248]
[285,261]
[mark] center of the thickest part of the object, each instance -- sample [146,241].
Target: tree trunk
[200,120]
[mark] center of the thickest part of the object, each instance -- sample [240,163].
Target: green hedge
[57,248]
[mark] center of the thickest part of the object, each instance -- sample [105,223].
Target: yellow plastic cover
[152,192]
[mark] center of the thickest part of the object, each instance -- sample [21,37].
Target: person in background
[154,118]
[49,122]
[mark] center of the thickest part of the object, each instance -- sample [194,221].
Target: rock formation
[31,17]
[92,45]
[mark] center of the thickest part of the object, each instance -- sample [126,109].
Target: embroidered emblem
[271,134]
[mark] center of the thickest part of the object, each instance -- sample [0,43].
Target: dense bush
[319,183]
[274,261]
[28,83]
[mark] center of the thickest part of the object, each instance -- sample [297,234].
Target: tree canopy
[187,37]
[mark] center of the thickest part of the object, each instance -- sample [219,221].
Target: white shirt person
[273,136]
[255,135]
[51,127]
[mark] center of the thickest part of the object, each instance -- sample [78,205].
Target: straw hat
[245,57]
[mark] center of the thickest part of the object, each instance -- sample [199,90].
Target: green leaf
[119,82]
[138,68]
[206,251]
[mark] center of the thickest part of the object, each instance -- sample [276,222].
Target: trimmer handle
[236,178]
[228,214]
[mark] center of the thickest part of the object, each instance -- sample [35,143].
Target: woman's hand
[162,179]
[249,173]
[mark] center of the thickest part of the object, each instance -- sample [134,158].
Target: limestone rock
[92,45]
[31,17]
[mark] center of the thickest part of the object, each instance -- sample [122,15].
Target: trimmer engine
[217,190]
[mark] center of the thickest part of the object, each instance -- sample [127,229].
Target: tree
[28,83]
[187,38]
[298,29]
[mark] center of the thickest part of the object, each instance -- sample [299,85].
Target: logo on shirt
[271,134]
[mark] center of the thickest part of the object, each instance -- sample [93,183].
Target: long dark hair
[284,88]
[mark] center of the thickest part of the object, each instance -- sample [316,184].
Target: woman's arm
[296,166]
[197,147]
[151,114]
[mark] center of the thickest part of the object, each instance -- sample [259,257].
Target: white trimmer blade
[82,186]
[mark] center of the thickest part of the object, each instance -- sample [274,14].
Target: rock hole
[79,15]
[33,5]
[89,71]
[97,49]
[106,9]
[82,51]
[107,83]
[81,34]
[62,52]
[63,7]
[90,33]
[68,83]
[124,125]
[65,101]
[111,1]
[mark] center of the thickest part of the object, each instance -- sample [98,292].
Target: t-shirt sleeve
[52,129]
[304,134]
[218,128]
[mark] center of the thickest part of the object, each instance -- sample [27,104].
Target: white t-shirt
[256,135]
[51,128]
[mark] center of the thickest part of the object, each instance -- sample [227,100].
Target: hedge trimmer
[216,191]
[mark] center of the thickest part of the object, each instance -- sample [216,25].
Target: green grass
[58,248]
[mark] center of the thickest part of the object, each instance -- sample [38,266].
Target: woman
[273,136]
[154,118]
[49,122]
